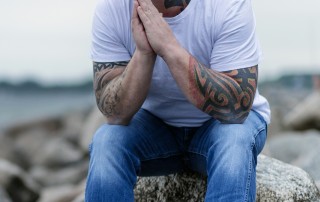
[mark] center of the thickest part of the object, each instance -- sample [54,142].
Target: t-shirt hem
[237,65]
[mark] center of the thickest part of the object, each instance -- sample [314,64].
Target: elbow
[235,118]
[113,117]
[116,120]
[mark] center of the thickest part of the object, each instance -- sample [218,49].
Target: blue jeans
[226,153]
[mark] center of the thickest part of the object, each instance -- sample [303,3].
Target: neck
[170,8]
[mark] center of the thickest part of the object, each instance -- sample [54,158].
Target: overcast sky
[49,40]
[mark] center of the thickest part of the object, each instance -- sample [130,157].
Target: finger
[148,7]
[143,17]
[135,21]
[134,11]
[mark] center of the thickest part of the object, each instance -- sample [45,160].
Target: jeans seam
[248,180]
[167,155]
[198,153]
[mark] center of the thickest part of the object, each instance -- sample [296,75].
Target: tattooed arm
[226,96]
[121,87]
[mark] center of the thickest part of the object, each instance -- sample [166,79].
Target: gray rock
[79,198]
[276,181]
[305,115]
[290,146]
[73,124]
[57,152]
[20,186]
[64,193]
[299,149]
[72,174]
[91,124]
[4,196]
[28,145]
[318,184]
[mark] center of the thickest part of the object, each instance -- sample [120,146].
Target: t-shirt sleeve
[108,34]
[235,43]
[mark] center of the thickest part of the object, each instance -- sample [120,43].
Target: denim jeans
[226,153]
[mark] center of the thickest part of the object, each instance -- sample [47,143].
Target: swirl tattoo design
[107,85]
[226,96]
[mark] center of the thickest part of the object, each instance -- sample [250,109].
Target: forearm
[122,97]
[221,95]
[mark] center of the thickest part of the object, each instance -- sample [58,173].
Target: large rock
[91,124]
[276,181]
[4,196]
[57,152]
[72,174]
[20,186]
[299,149]
[305,115]
[64,193]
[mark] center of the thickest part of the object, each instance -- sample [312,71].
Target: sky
[49,40]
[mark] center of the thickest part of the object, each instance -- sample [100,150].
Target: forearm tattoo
[107,85]
[172,3]
[226,96]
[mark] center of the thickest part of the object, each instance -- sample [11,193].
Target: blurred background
[47,113]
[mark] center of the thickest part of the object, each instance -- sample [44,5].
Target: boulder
[56,153]
[299,149]
[64,193]
[290,146]
[276,181]
[28,145]
[19,186]
[91,124]
[305,115]
[4,196]
[72,125]
[72,174]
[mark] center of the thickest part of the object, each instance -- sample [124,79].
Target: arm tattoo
[172,3]
[99,66]
[107,85]
[226,96]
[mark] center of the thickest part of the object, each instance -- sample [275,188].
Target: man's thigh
[227,141]
[147,139]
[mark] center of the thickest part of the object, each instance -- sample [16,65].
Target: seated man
[176,81]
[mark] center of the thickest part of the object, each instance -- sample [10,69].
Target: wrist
[173,53]
[145,54]
[149,57]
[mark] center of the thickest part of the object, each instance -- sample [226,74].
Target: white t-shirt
[219,33]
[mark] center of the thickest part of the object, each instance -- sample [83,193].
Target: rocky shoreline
[47,161]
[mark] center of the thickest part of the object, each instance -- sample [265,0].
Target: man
[176,81]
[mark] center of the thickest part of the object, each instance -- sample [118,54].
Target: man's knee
[111,138]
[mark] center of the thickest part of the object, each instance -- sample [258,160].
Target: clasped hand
[151,32]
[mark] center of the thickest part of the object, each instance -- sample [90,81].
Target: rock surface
[4,196]
[299,149]
[91,124]
[19,185]
[276,181]
[305,115]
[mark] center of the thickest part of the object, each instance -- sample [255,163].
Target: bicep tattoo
[99,66]
[107,95]
[227,96]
